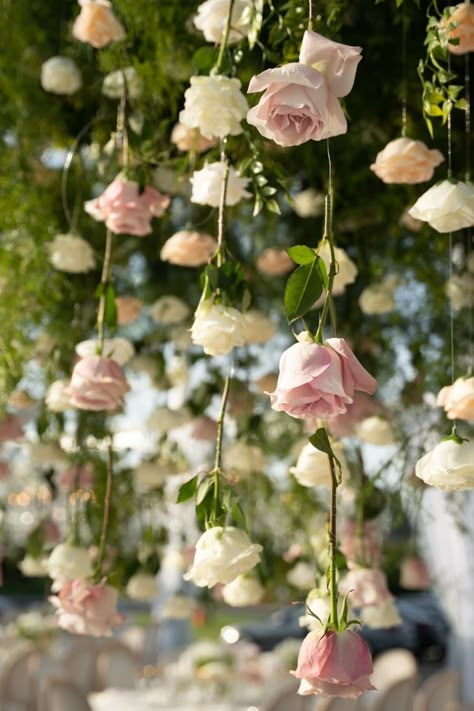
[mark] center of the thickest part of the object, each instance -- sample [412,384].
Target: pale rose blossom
[169,310]
[308,203]
[301,576]
[205,94]
[60,75]
[447,206]
[32,567]
[460,291]
[300,102]
[414,574]
[85,608]
[128,308]
[188,249]
[274,262]
[96,24]
[244,458]
[190,139]
[126,210]
[458,399]
[97,383]
[72,254]
[334,664]
[68,562]
[204,428]
[312,467]
[56,398]
[406,161]
[79,476]
[211,19]
[367,586]
[243,591]
[217,328]
[375,430]
[267,382]
[207,185]
[377,299]
[319,381]
[360,549]
[463,17]
[114,83]
[449,466]
[258,328]
[142,587]
[20,400]
[120,350]
[222,554]
[383,616]
[346,269]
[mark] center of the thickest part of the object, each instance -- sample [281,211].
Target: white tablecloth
[153,699]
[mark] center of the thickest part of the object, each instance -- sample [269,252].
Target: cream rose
[142,587]
[207,185]
[375,430]
[96,24]
[60,75]
[203,97]
[128,308]
[448,466]
[32,567]
[447,206]
[169,310]
[381,616]
[377,299]
[56,398]
[211,19]
[308,203]
[301,576]
[119,349]
[68,562]
[458,399]
[222,554]
[460,291]
[244,458]
[188,249]
[115,83]
[312,467]
[258,328]
[190,139]
[217,328]
[346,269]
[406,161]
[243,591]
[274,262]
[72,254]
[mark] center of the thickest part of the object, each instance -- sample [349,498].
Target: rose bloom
[460,291]
[448,466]
[72,254]
[128,309]
[300,102]
[414,574]
[142,587]
[56,398]
[188,249]
[301,576]
[258,328]
[114,85]
[312,467]
[222,554]
[189,139]
[67,562]
[207,93]
[375,430]
[334,664]
[367,586]
[346,269]
[169,309]
[204,428]
[126,210]
[11,429]
[211,19]
[308,203]
[447,206]
[458,399]
[274,262]
[32,567]
[463,16]
[362,549]
[243,458]
[319,381]
[60,75]
[217,328]
[243,591]
[207,185]
[120,350]
[96,24]
[406,161]
[85,608]
[383,616]
[97,383]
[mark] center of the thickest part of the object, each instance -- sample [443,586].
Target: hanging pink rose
[319,381]
[414,574]
[188,249]
[463,17]
[367,587]
[458,399]
[363,549]
[334,664]
[96,24]
[11,429]
[274,262]
[126,210]
[84,608]
[406,161]
[97,383]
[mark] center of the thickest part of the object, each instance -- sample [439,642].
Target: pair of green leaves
[211,509]
[306,284]
[228,280]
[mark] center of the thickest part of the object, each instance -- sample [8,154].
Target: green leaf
[323,272]
[238,516]
[320,440]
[202,490]
[273,206]
[110,312]
[303,289]
[188,489]
[301,254]
[204,59]
[256,22]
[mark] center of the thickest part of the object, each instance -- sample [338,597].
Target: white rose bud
[447,206]
[56,398]
[67,562]
[60,75]
[222,554]
[71,254]
[448,466]
[301,576]
[381,616]
[113,84]
[243,591]
[204,96]
[142,587]
[207,185]
[211,19]
[217,328]
[312,467]
[258,328]
[375,430]
[377,300]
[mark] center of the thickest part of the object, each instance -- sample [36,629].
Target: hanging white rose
[120,350]
[375,430]
[60,75]
[312,467]
[207,185]
[56,398]
[243,591]
[449,466]
[381,616]
[33,567]
[245,458]
[302,576]
[68,562]
[211,19]
[222,554]
[447,206]
[169,309]
[142,587]
[377,299]
[308,203]
[460,291]
[258,328]
[215,105]
[114,84]
[217,328]
[346,269]
[72,254]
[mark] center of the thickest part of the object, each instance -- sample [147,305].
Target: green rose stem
[328,235]
[106,515]
[220,220]
[333,594]
[104,284]
[310,15]
[220,433]
[121,134]
[75,516]
[225,39]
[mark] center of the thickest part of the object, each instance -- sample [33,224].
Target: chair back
[81,660]
[18,679]
[438,692]
[392,666]
[336,704]
[116,667]
[398,696]
[285,698]
[62,695]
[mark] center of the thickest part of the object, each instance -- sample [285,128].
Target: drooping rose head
[449,466]
[126,210]
[207,185]
[274,262]
[217,328]
[463,17]
[406,161]
[205,94]
[97,383]
[96,24]
[84,608]
[334,664]
[319,381]
[211,19]
[188,249]
[128,309]
[189,139]
[447,206]
[367,586]
[60,75]
[458,399]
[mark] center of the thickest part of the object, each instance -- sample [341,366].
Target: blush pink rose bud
[97,384]
[96,24]
[190,139]
[458,399]
[11,429]
[84,608]
[334,664]
[362,549]
[367,587]
[188,249]
[406,161]
[319,381]
[274,262]
[126,210]
[463,17]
